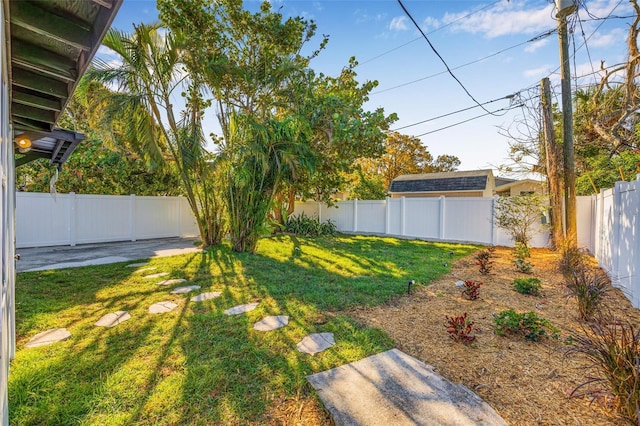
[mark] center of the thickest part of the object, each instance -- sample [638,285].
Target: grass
[196,365]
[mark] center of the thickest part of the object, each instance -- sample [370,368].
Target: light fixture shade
[23,142]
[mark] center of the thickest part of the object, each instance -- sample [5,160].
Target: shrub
[305,225]
[517,215]
[588,286]
[528,324]
[527,286]
[483,260]
[612,349]
[460,329]
[571,259]
[471,290]
[520,254]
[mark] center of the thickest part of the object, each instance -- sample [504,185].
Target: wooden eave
[50,44]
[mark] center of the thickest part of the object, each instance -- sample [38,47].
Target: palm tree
[139,103]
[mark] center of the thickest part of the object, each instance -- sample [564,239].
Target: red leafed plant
[460,329]
[483,260]
[471,290]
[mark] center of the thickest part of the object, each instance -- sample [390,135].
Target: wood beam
[60,134]
[36,101]
[30,156]
[39,83]
[40,21]
[104,3]
[41,60]
[21,123]
[36,114]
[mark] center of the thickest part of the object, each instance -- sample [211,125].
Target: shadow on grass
[196,365]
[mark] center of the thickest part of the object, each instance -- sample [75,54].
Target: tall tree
[140,109]
[257,76]
[405,154]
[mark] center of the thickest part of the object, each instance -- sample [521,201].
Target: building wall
[522,187]
[7,217]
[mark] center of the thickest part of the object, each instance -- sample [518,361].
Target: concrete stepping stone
[158,275]
[185,289]
[48,337]
[136,265]
[271,323]
[205,296]
[113,319]
[241,309]
[172,281]
[315,343]
[150,268]
[393,388]
[162,307]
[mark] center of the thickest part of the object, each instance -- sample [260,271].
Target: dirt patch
[526,382]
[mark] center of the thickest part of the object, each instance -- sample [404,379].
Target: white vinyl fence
[463,219]
[614,237]
[72,219]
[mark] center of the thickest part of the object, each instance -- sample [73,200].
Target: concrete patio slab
[185,289]
[113,319]
[43,258]
[315,343]
[48,337]
[89,262]
[206,296]
[271,323]
[393,388]
[241,309]
[162,307]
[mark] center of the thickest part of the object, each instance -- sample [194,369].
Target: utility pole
[565,8]
[553,161]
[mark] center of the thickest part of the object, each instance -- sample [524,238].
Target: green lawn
[196,365]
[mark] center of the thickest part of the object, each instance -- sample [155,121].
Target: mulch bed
[528,383]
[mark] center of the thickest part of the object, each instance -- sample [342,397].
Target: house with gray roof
[470,183]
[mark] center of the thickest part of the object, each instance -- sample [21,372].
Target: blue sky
[391,50]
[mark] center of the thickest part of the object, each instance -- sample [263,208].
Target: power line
[533,39]
[507,109]
[439,56]
[450,113]
[430,32]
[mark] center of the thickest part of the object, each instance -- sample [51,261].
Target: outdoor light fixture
[24,143]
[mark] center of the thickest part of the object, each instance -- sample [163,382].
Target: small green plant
[461,328]
[612,347]
[530,286]
[483,260]
[527,324]
[521,251]
[571,259]
[471,290]
[588,286]
[307,226]
[520,254]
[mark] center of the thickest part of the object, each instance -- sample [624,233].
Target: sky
[497,51]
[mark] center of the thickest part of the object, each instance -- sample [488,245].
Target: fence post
[494,228]
[355,215]
[132,216]
[403,203]
[387,215]
[442,217]
[617,195]
[320,211]
[179,216]
[72,219]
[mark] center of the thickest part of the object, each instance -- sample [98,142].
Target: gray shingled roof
[466,183]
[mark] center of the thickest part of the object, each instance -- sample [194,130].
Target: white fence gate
[78,219]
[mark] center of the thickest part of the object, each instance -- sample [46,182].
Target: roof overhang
[50,44]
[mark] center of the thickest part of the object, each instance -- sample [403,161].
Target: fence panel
[395,216]
[468,219]
[156,217]
[422,217]
[98,219]
[372,216]
[34,229]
